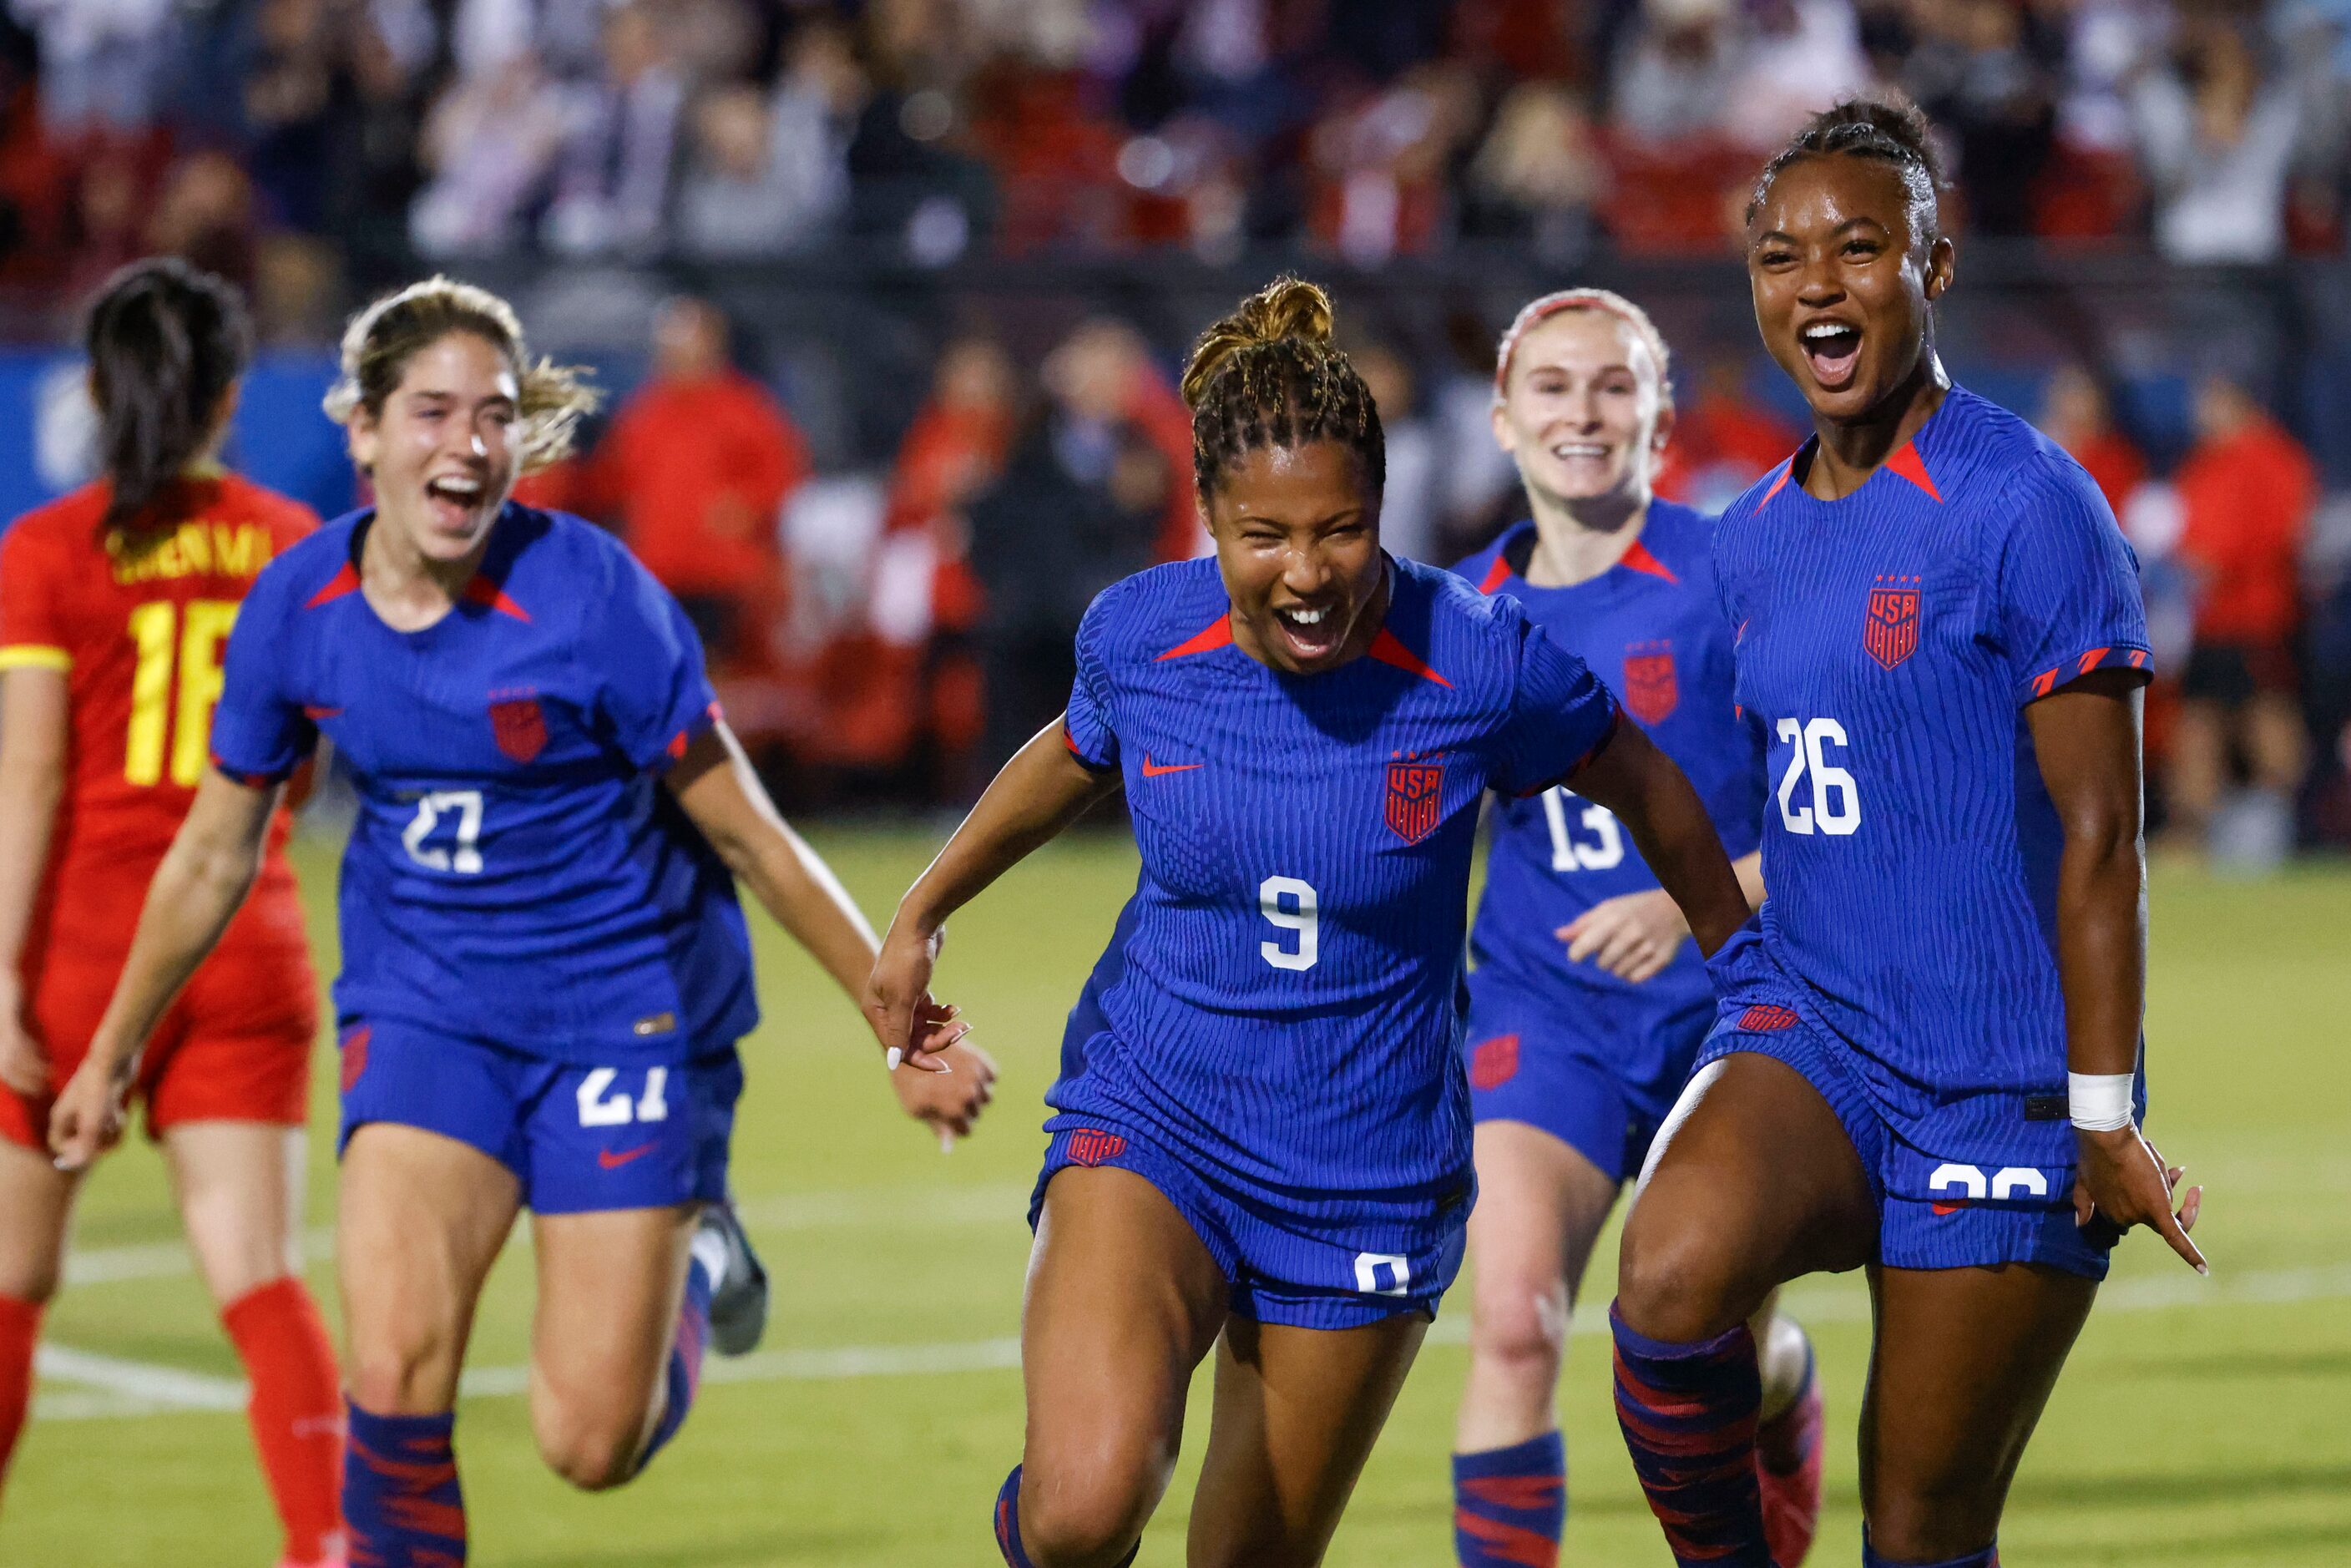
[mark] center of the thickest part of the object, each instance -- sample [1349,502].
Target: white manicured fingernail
[947,1142]
[896,1057]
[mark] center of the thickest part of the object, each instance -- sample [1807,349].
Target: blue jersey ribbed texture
[1281,1004]
[516,873]
[1651,628]
[1888,644]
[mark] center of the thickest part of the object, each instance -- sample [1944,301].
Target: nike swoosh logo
[612,1162]
[1153,770]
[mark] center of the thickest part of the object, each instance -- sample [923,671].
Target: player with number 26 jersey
[1888,644]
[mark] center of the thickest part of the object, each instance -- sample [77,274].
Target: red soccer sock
[20,1330]
[297,1411]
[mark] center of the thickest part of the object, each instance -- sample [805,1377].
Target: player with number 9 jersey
[1267,1141]
[137,623]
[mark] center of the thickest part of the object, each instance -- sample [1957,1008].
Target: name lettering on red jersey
[198,548]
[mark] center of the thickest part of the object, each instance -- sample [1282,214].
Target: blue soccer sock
[1007,1526]
[1510,1504]
[1988,1558]
[401,1506]
[1688,1416]
[685,1353]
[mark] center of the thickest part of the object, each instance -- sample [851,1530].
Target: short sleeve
[1559,716]
[2065,589]
[1086,724]
[260,734]
[32,629]
[656,694]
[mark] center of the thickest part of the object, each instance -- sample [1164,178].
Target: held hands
[22,1067]
[86,1120]
[949,1097]
[1633,936]
[920,1035]
[2124,1182]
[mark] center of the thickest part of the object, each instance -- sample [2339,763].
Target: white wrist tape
[2100,1102]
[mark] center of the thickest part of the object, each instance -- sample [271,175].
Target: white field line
[132,1388]
[986,1203]
[998,1202]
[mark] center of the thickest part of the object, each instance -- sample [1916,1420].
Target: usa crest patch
[520,726]
[1093,1146]
[1651,692]
[1415,798]
[1891,630]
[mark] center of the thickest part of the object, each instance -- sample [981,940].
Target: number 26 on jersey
[1833,802]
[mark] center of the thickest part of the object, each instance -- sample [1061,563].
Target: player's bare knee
[592,1450]
[1085,1520]
[1521,1330]
[398,1381]
[1677,1284]
[1932,1524]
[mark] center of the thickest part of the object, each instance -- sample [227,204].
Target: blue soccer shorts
[1933,1211]
[1285,1264]
[579,1139]
[1548,1062]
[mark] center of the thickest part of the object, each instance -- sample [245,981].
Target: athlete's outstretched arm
[33,719]
[203,877]
[1668,820]
[1634,936]
[2086,736]
[1040,791]
[716,784]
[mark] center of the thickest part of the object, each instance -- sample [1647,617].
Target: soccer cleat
[739,1284]
[1788,1468]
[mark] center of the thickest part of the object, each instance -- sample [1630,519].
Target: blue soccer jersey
[1283,1009]
[516,874]
[1888,644]
[1651,627]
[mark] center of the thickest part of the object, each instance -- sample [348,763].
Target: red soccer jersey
[138,629]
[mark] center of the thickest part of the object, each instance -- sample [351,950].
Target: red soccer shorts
[235,1046]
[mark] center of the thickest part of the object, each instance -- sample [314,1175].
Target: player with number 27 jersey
[1888,644]
[517,879]
[1282,1015]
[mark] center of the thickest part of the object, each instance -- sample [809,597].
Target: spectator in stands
[1105,366]
[104,68]
[1538,173]
[1991,82]
[1081,504]
[695,471]
[489,145]
[205,215]
[770,173]
[2077,415]
[288,84]
[2248,490]
[2220,134]
[374,123]
[1675,69]
[612,182]
[1723,439]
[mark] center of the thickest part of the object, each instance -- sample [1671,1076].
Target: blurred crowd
[905,631]
[891,615]
[289,141]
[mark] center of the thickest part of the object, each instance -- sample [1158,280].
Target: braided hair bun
[1272,374]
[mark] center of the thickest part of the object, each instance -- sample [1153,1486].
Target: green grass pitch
[2200,1422]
